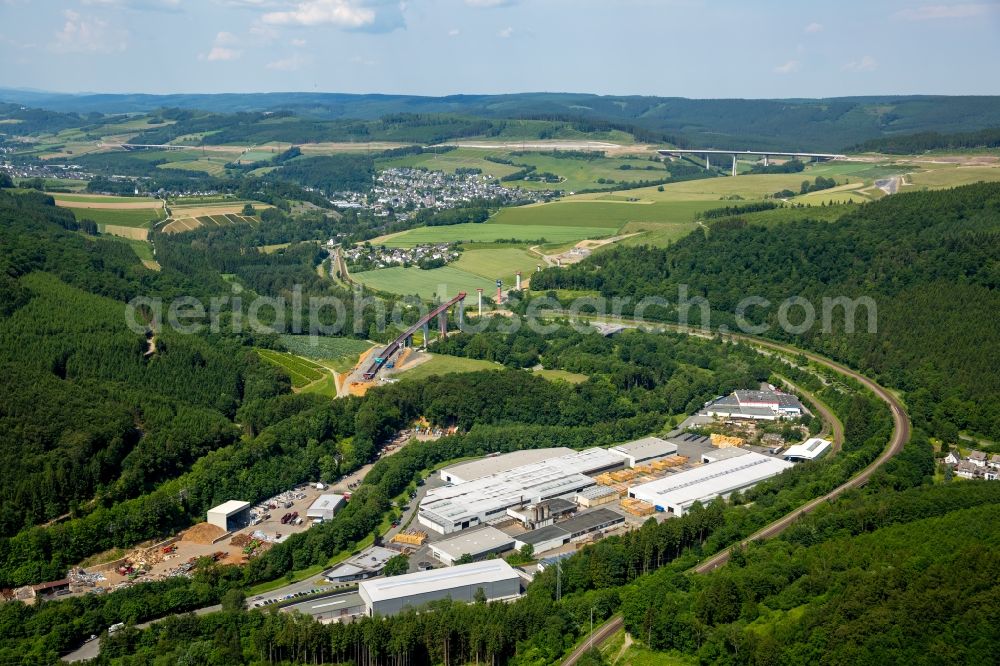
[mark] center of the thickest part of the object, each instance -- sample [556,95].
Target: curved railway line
[900,435]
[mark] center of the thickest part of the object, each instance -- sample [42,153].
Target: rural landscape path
[900,435]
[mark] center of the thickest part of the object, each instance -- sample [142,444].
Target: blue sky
[691,48]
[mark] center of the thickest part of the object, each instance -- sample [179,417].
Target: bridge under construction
[707,153]
[406,338]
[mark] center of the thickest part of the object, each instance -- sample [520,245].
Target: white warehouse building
[645,449]
[388,596]
[676,493]
[458,507]
[325,507]
[811,449]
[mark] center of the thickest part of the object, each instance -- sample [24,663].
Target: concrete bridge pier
[443,324]
[461,315]
[708,161]
[427,334]
[734,164]
[765,160]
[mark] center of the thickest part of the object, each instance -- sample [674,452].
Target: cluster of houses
[73,171]
[369,257]
[977,465]
[404,190]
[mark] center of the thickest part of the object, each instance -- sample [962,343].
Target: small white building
[811,449]
[230,515]
[978,458]
[325,507]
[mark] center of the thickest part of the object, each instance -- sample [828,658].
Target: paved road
[601,634]
[900,435]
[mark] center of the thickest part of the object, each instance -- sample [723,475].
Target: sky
[688,48]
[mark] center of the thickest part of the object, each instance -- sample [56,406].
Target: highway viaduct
[708,152]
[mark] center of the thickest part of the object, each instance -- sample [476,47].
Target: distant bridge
[708,152]
[441,312]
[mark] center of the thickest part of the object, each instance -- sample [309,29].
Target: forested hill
[815,124]
[908,144]
[84,411]
[931,261]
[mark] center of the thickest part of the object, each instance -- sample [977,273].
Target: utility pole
[591,628]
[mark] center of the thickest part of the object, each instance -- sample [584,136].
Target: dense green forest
[929,260]
[781,124]
[909,144]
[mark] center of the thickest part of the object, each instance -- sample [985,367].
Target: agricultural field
[561,375]
[191,216]
[96,199]
[488,233]
[579,174]
[302,371]
[439,283]
[940,176]
[213,166]
[138,218]
[442,365]
[498,262]
[340,354]
[460,158]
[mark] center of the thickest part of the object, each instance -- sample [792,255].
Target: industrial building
[596,496]
[388,596]
[557,535]
[453,508]
[366,564]
[645,449]
[477,543]
[811,449]
[497,464]
[675,494]
[716,455]
[325,507]
[229,516]
[544,513]
[758,405]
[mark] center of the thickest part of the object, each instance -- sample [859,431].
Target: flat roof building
[645,449]
[715,455]
[366,564]
[595,496]
[477,543]
[230,515]
[388,596]
[325,507]
[676,493]
[758,405]
[554,536]
[453,508]
[811,449]
[477,469]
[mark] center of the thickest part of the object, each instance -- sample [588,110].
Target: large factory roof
[474,542]
[709,481]
[526,484]
[422,582]
[646,448]
[477,469]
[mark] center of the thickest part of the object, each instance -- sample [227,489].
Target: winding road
[900,435]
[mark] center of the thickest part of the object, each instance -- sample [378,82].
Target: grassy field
[485,233]
[578,174]
[500,262]
[442,365]
[561,376]
[951,176]
[460,158]
[302,371]
[101,198]
[440,283]
[138,218]
[213,166]
[341,354]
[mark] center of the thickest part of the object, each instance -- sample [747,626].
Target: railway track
[900,435]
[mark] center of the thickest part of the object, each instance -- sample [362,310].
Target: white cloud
[223,38]
[367,62]
[454,32]
[81,34]
[814,27]
[342,13]
[506,33]
[788,67]
[289,64]
[222,53]
[866,64]
[489,3]
[299,43]
[936,12]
